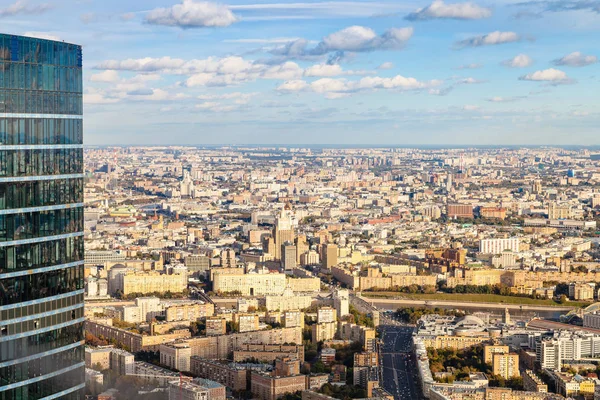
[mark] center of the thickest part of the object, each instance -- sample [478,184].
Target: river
[516,313]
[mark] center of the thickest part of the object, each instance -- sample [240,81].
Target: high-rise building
[536,187]
[506,365]
[329,256]
[283,231]
[41,220]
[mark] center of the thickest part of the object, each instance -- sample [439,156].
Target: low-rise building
[216,326]
[533,383]
[97,358]
[197,389]
[176,356]
[268,387]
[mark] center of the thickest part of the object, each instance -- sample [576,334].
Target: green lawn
[477,298]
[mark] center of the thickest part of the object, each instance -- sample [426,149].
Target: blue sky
[355,72]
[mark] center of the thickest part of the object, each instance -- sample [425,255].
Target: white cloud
[547,75]
[470,66]
[192,14]
[360,38]
[148,64]
[286,71]
[386,65]
[470,107]
[96,96]
[237,97]
[324,70]
[328,70]
[469,81]
[109,75]
[440,10]
[211,71]
[576,59]
[218,107]
[23,7]
[492,38]
[352,39]
[296,85]
[519,61]
[499,99]
[335,88]
[43,35]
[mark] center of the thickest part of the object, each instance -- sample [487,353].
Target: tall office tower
[283,231]
[41,220]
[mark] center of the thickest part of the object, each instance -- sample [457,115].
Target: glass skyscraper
[41,220]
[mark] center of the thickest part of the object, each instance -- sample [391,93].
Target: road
[399,369]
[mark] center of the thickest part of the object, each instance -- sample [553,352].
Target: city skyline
[415,73]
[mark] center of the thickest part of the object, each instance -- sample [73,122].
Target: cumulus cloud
[519,61]
[351,39]
[297,85]
[324,70]
[105,76]
[332,70]
[440,10]
[97,96]
[386,65]
[576,59]
[215,71]
[360,38]
[192,14]
[554,76]
[492,38]
[470,107]
[42,35]
[23,7]
[340,87]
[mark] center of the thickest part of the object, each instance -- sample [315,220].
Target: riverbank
[472,298]
[396,303]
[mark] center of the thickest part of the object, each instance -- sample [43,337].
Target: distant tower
[449,183]
[283,231]
[506,318]
[536,187]
[341,302]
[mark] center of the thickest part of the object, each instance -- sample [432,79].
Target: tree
[563,299]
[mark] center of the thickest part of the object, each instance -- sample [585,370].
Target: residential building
[506,365]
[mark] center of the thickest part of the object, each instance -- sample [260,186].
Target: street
[398,365]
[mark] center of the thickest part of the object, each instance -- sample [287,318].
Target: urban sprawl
[279,272]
